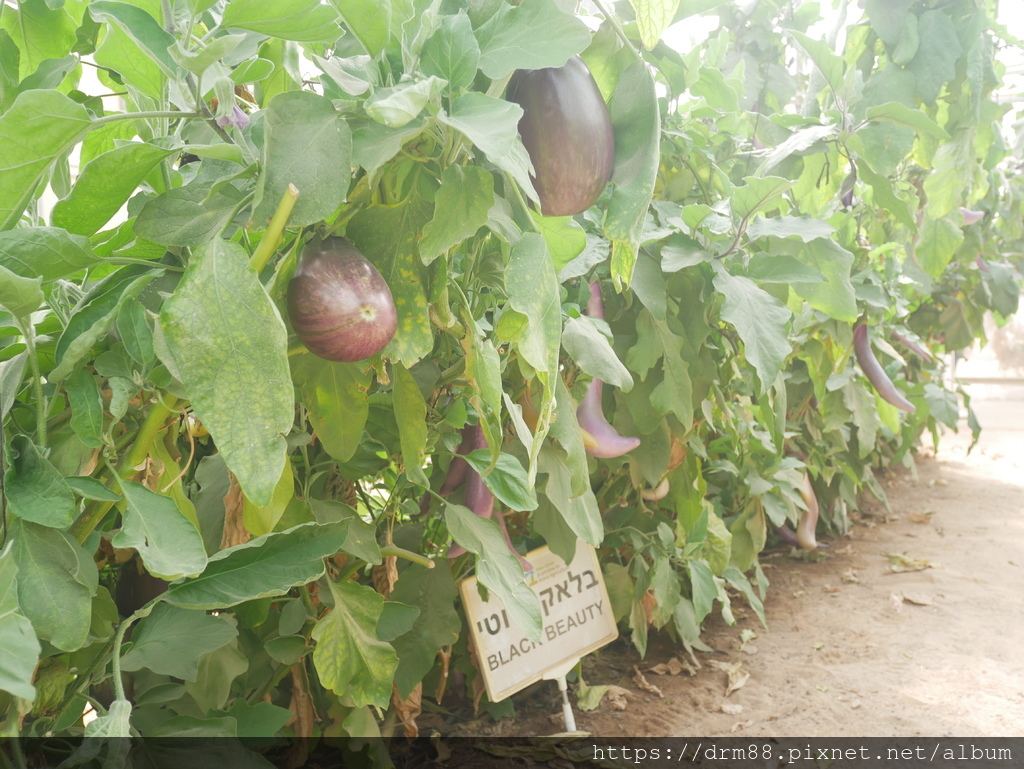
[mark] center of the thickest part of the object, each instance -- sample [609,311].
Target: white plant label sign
[577,620]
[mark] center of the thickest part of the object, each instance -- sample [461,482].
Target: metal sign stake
[558,675]
[570,718]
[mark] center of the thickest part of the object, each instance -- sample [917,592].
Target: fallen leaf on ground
[643,683]
[920,517]
[590,697]
[673,667]
[899,563]
[730,709]
[896,600]
[741,725]
[918,599]
[850,576]
[736,675]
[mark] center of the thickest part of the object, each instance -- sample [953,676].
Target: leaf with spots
[387,235]
[349,657]
[229,344]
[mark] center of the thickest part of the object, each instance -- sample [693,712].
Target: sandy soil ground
[854,648]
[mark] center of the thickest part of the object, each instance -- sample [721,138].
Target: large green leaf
[835,294]
[123,55]
[35,490]
[141,27]
[54,588]
[306,144]
[452,52]
[230,346]
[937,54]
[369,20]
[493,126]
[261,519]
[653,17]
[188,216]
[433,592]
[91,319]
[387,236]
[756,194]
[38,127]
[86,407]
[335,394]
[460,209]
[593,353]
[581,512]
[507,479]
[411,415]
[564,236]
[46,252]
[304,21]
[171,640]
[19,296]
[19,647]
[901,114]
[760,319]
[637,123]
[532,35]
[105,184]
[41,31]
[266,566]
[532,289]
[349,658]
[169,543]
[940,238]
[496,568]
[398,105]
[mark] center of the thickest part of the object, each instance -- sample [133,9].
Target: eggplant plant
[300,298]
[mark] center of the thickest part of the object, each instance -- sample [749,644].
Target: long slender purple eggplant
[982,264]
[913,346]
[479,498]
[457,469]
[607,441]
[875,373]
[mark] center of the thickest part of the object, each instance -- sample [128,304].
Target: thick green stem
[400,552]
[155,421]
[272,237]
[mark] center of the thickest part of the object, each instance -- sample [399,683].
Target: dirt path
[852,648]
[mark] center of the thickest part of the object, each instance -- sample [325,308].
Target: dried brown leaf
[445,653]
[235,532]
[736,676]
[617,697]
[899,563]
[385,575]
[920,517]
[409,708]
[642,683]
[301,707]
[730,709]
[673,667]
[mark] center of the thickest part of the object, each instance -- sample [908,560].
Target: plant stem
[617,28]
[155,422]
[115,659]
[28,332]
[141,116]
[272,237]
[399,552]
